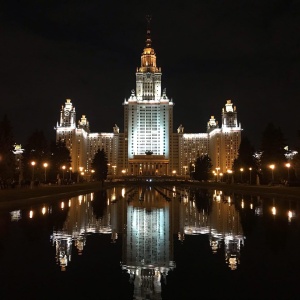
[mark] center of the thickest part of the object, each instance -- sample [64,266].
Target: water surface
[152,243]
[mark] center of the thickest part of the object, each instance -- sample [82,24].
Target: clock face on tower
[67,113]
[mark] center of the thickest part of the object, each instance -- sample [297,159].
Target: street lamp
[45,166]
[242,170]
[114,173]
[216,176]
[217,173]
[80,169]
[250,169]
[70,173]
[63,168]
[33,164]
[185,168]
[92,171]
[229,172]
[32,179]
[221,176]
[272,167]
[288,165]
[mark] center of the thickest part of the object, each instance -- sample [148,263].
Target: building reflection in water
[149,219]
[148,240]
[221,222]
[80,222]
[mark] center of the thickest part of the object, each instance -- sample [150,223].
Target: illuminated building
[148,145]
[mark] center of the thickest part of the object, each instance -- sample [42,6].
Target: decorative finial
[148,18]
[148,38]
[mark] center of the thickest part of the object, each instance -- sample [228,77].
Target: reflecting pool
[152,242]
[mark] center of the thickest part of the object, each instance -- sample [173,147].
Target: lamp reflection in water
[273,209]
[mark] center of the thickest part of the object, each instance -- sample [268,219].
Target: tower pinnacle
[148,37]
[148,59]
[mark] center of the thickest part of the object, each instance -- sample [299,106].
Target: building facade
[148,145]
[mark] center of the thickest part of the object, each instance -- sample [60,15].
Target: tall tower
[74,136]
[224,142]
[148,118]
[231,137]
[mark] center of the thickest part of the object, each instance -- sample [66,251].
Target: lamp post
[272,167]
[229,172]
[45,166]
[194,170]
[80,170]
[33,164]
[288,165]
[63,168]
[70,173]
[250,169]
[221,176]
[93,171]
[32,178]
[114,172]
[216,176]
[185,168]
[242,170]
[217,173]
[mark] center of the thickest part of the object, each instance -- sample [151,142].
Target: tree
[296,160]
[99,164]
[60,156]
[203,167]
[273,153]
[7,158]
[36,150]
[245,159]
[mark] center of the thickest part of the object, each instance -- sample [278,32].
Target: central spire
[148,59]
[148,36]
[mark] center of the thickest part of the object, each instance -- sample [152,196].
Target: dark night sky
[209,51]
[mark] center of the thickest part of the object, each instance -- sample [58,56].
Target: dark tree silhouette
[296,161]
[245,160]
[7,159]
[36,149]
[60,156]
[273,152]
[99,165]
[203,167]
